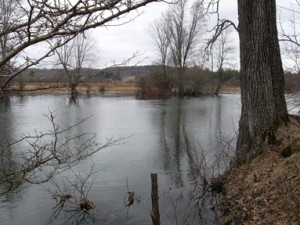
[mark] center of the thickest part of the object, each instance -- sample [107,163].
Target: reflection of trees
[5,118]
[73,208]
[7,160]
[183,128]
[72,215]
[172,140]
[5,102]
[8,164]
[198,207]
[186,130]
[217,117]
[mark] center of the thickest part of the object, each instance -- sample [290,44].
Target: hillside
[97,75]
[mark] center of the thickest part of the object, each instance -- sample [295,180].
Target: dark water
[163,136]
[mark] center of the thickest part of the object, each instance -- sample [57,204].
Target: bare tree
[222,55]
[37,158]
[290,48]
[184,36]
[42,20]
[75,58]
[177,35]
[160,35]
[289,37]
[9,12]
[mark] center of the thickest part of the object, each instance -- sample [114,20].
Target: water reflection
[8,162]
[70,213]
[166,135]
[179,122]
[171,145]
[5,100]
[186,127]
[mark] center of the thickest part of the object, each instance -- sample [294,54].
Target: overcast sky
[120,42]
[115,44]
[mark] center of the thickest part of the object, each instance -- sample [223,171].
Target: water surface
[162,136]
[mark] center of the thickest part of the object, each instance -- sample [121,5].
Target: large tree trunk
[262,79]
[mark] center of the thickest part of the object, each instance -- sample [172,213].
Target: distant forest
[96,75]
[118,74]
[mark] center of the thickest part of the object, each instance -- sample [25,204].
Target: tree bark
[262,79]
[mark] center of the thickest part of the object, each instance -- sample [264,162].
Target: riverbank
[119,88]
[82,88]
[266,190]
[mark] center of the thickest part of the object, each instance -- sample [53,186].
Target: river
[162,136]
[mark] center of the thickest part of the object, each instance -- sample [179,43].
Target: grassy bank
[82,88]
[267,189]
[126,88]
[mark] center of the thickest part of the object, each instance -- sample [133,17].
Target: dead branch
[31,22]
[42,155]
[71,196]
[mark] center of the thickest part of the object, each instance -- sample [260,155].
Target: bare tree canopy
[222,56]
[177,36]
[73,58]
[289,37]
[184,31]
[27,23]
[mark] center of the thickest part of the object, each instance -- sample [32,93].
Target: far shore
[113,88]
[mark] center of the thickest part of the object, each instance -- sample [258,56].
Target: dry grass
[109,86]
[227,89]
[266,191]
[83,88]
[129,87]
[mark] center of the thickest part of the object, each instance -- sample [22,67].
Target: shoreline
[103,88]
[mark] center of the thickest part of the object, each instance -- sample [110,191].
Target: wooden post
[154,195]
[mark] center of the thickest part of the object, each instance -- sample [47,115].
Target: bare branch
[177,37]
[290,41]
[218,29]
[36,21]
[71,196]
[47,154]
